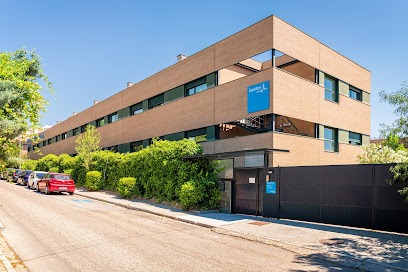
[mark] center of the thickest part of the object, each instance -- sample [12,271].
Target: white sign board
[251,180]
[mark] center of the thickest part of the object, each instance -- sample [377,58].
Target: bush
[93,180]
[68,171]
[190,195]
[65,162]
[47,162]
[126,187]
[54,170]
[29,164]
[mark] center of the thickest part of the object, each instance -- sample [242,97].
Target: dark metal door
[245,195]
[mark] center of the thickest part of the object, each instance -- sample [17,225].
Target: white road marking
[69,201]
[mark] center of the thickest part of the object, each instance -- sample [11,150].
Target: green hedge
[93,180]
[159,171]
[54,170]
[126,187]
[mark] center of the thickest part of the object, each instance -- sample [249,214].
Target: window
[135,109]
[196,89]
[199,135]
[354,138]
[83,128]
[63,136]
[44,143]
[113,117]
[136,146]
[75,131]
[330,88]
[100,122]
[49,141]
[330,139]
[156,101]
[29,149]
[355,94]
[58,138]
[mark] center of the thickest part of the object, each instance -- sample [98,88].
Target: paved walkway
[358,248]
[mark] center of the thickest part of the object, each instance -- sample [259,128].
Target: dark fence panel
[390,211]
[351,195]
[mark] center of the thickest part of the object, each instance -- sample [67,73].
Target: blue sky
[91,49]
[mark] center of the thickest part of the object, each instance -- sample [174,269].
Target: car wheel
[71,193]
[46,190]
[37,188]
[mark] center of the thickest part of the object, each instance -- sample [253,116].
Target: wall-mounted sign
[271,187]
[252,180]
[258,97]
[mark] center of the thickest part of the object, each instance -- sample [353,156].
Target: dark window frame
[136,108]
[359,93]
[110,117]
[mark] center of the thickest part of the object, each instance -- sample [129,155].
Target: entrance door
[245,195]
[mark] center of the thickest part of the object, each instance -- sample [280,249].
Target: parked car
[23,177]
[13,175]
[33,179]
[4,174]
[56,182]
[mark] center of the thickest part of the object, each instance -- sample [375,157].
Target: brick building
[267,86]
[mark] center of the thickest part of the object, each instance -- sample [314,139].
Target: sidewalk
[358,248]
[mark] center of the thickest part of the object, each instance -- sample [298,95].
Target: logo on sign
[258,97]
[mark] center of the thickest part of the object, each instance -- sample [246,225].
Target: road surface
[60,232]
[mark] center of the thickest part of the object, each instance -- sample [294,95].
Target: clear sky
[92,48]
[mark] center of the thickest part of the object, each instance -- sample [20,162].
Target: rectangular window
[354,138]
[100,122]
[49,141]
[136,109]
[156,101]
[355,93]
[75,131]
[44,143]
[330,139]
[199,135]
[113,117]
[63,136]
[58,138]
[83,128]
[29,149]
[196,89]
[330,88]
[136,146]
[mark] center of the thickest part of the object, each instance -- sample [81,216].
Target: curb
[334,258]
[4,260]
[130,207]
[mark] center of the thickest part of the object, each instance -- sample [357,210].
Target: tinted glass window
[40,175]
[62,177]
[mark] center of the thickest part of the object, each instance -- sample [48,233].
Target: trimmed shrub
[46,162]
[29,164]
[54,170]
[93,180]
[68,171]
[126,187]
[190,195]
[65,161]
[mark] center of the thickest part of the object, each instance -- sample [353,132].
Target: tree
[376,153]
[393,142]
[21,101]
[398,99]
[87,143]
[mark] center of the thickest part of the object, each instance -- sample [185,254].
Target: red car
[56,182]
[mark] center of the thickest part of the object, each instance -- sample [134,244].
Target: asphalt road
[60,232]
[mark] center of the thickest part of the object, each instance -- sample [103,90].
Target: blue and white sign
[271,187]
[258,97]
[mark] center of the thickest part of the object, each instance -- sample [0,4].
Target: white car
[33,179]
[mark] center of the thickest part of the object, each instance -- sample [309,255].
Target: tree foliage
[21,100]
[376,153]
[398,99]
[87,143]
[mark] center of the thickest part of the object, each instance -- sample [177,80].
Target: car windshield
[63,177]
[40,175]
[28,172]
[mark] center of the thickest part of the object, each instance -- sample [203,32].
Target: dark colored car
[56,182]
[13,175]
[23,177]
